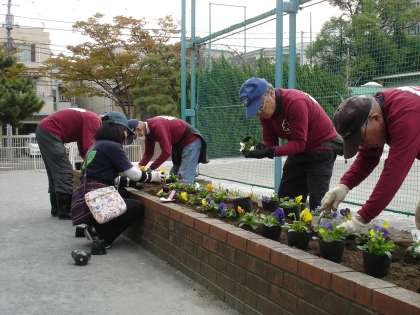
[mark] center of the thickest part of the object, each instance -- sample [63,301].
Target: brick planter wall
[260,276]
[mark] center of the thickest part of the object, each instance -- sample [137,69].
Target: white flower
[252,148]
[242,146]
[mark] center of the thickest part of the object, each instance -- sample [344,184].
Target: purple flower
[279,214]
[326,224]
[334,214]
[344,212]
[385,232]
[222,209]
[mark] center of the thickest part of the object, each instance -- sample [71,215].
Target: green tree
[115,59]
[18,99]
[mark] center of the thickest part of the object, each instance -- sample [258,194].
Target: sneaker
[107,246]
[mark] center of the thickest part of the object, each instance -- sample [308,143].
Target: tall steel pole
[192,66]
[183,62]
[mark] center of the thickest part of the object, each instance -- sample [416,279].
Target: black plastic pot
[244,202]
[331,250]
[271,232]
[376,266]
[257,230]
[298,239]
[270,206]
[98,247]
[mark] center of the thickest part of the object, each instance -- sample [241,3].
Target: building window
[26,53]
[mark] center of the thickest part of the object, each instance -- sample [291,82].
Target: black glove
[260,153]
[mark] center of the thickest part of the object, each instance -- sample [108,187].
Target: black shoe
[53,202]
[63,205]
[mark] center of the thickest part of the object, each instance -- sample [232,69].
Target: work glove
[334,197]
[123,181]
[154,176]
[355,225]
[418,215]
[261,151]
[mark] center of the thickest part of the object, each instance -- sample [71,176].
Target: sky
[40,13]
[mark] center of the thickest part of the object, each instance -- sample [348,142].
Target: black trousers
[307,174]
[111,230]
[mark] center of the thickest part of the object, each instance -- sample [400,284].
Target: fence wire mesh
[362,53]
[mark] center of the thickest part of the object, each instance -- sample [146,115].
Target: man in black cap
[366,124]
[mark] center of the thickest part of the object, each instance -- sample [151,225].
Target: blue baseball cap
[117,118]
[250,94]
[132,124]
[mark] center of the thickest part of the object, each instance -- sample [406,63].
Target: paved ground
[37,275]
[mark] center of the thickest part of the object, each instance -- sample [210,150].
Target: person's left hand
[355,225]
[155,176]
[260,152]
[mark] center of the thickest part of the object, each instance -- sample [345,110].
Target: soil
[402,272]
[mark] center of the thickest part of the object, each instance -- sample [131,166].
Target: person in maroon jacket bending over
[64,126]
[366,123]
[312,145]
[177,139]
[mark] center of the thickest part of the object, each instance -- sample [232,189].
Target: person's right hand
[334,197]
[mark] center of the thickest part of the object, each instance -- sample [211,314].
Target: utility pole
[9,26]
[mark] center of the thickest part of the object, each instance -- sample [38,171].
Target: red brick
[258,249]
[319,270]
[187,219]
[195,236]
[218,232]
[226,283]
[202,225]
[235,272]
[237,241]
[265,306]
[225,251]
[283,298]
[357,286]
[287,258]
[175,214]
[304,308]
[208,272]
[241,259]
[217,262]
[396,301]
[257,284]
[209,244]
[246,295]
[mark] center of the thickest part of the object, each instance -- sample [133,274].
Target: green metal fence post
[183,62]
[191,112]
[278,79]
[292,46]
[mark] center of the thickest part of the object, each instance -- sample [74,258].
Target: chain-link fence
[373,48]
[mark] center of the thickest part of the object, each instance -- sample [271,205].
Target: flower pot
[271,232]
[247,227]
[298,239]
[331,250]
[269,206]
[375,265]
[245,203]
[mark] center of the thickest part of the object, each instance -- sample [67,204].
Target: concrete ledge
[256,275]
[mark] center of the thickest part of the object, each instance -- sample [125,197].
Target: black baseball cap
[348,120]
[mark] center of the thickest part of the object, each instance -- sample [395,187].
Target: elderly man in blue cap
[312,141]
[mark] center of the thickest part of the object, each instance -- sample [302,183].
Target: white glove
[418,216]
[156,176]
[354,225]
[334,197]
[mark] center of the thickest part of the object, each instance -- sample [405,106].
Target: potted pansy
[219,195]
[331,242]
[299,232]
[377,250]
[244,202]
[271,224]
[225,212]
[412,253]
[250,221]
[209,205]
[270,204]
[247,144]
[291,205]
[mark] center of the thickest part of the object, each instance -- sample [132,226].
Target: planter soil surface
[402,273]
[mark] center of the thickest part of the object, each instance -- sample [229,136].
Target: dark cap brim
[351,144]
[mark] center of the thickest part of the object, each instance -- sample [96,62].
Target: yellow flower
[209,187]
[204,202]
[306,215]
[386,224]
[372,233]
[240,210]
[298,199]
[143,168]
[159,193]
[183,196]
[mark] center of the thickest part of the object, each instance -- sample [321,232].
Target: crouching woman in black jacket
[104,162]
